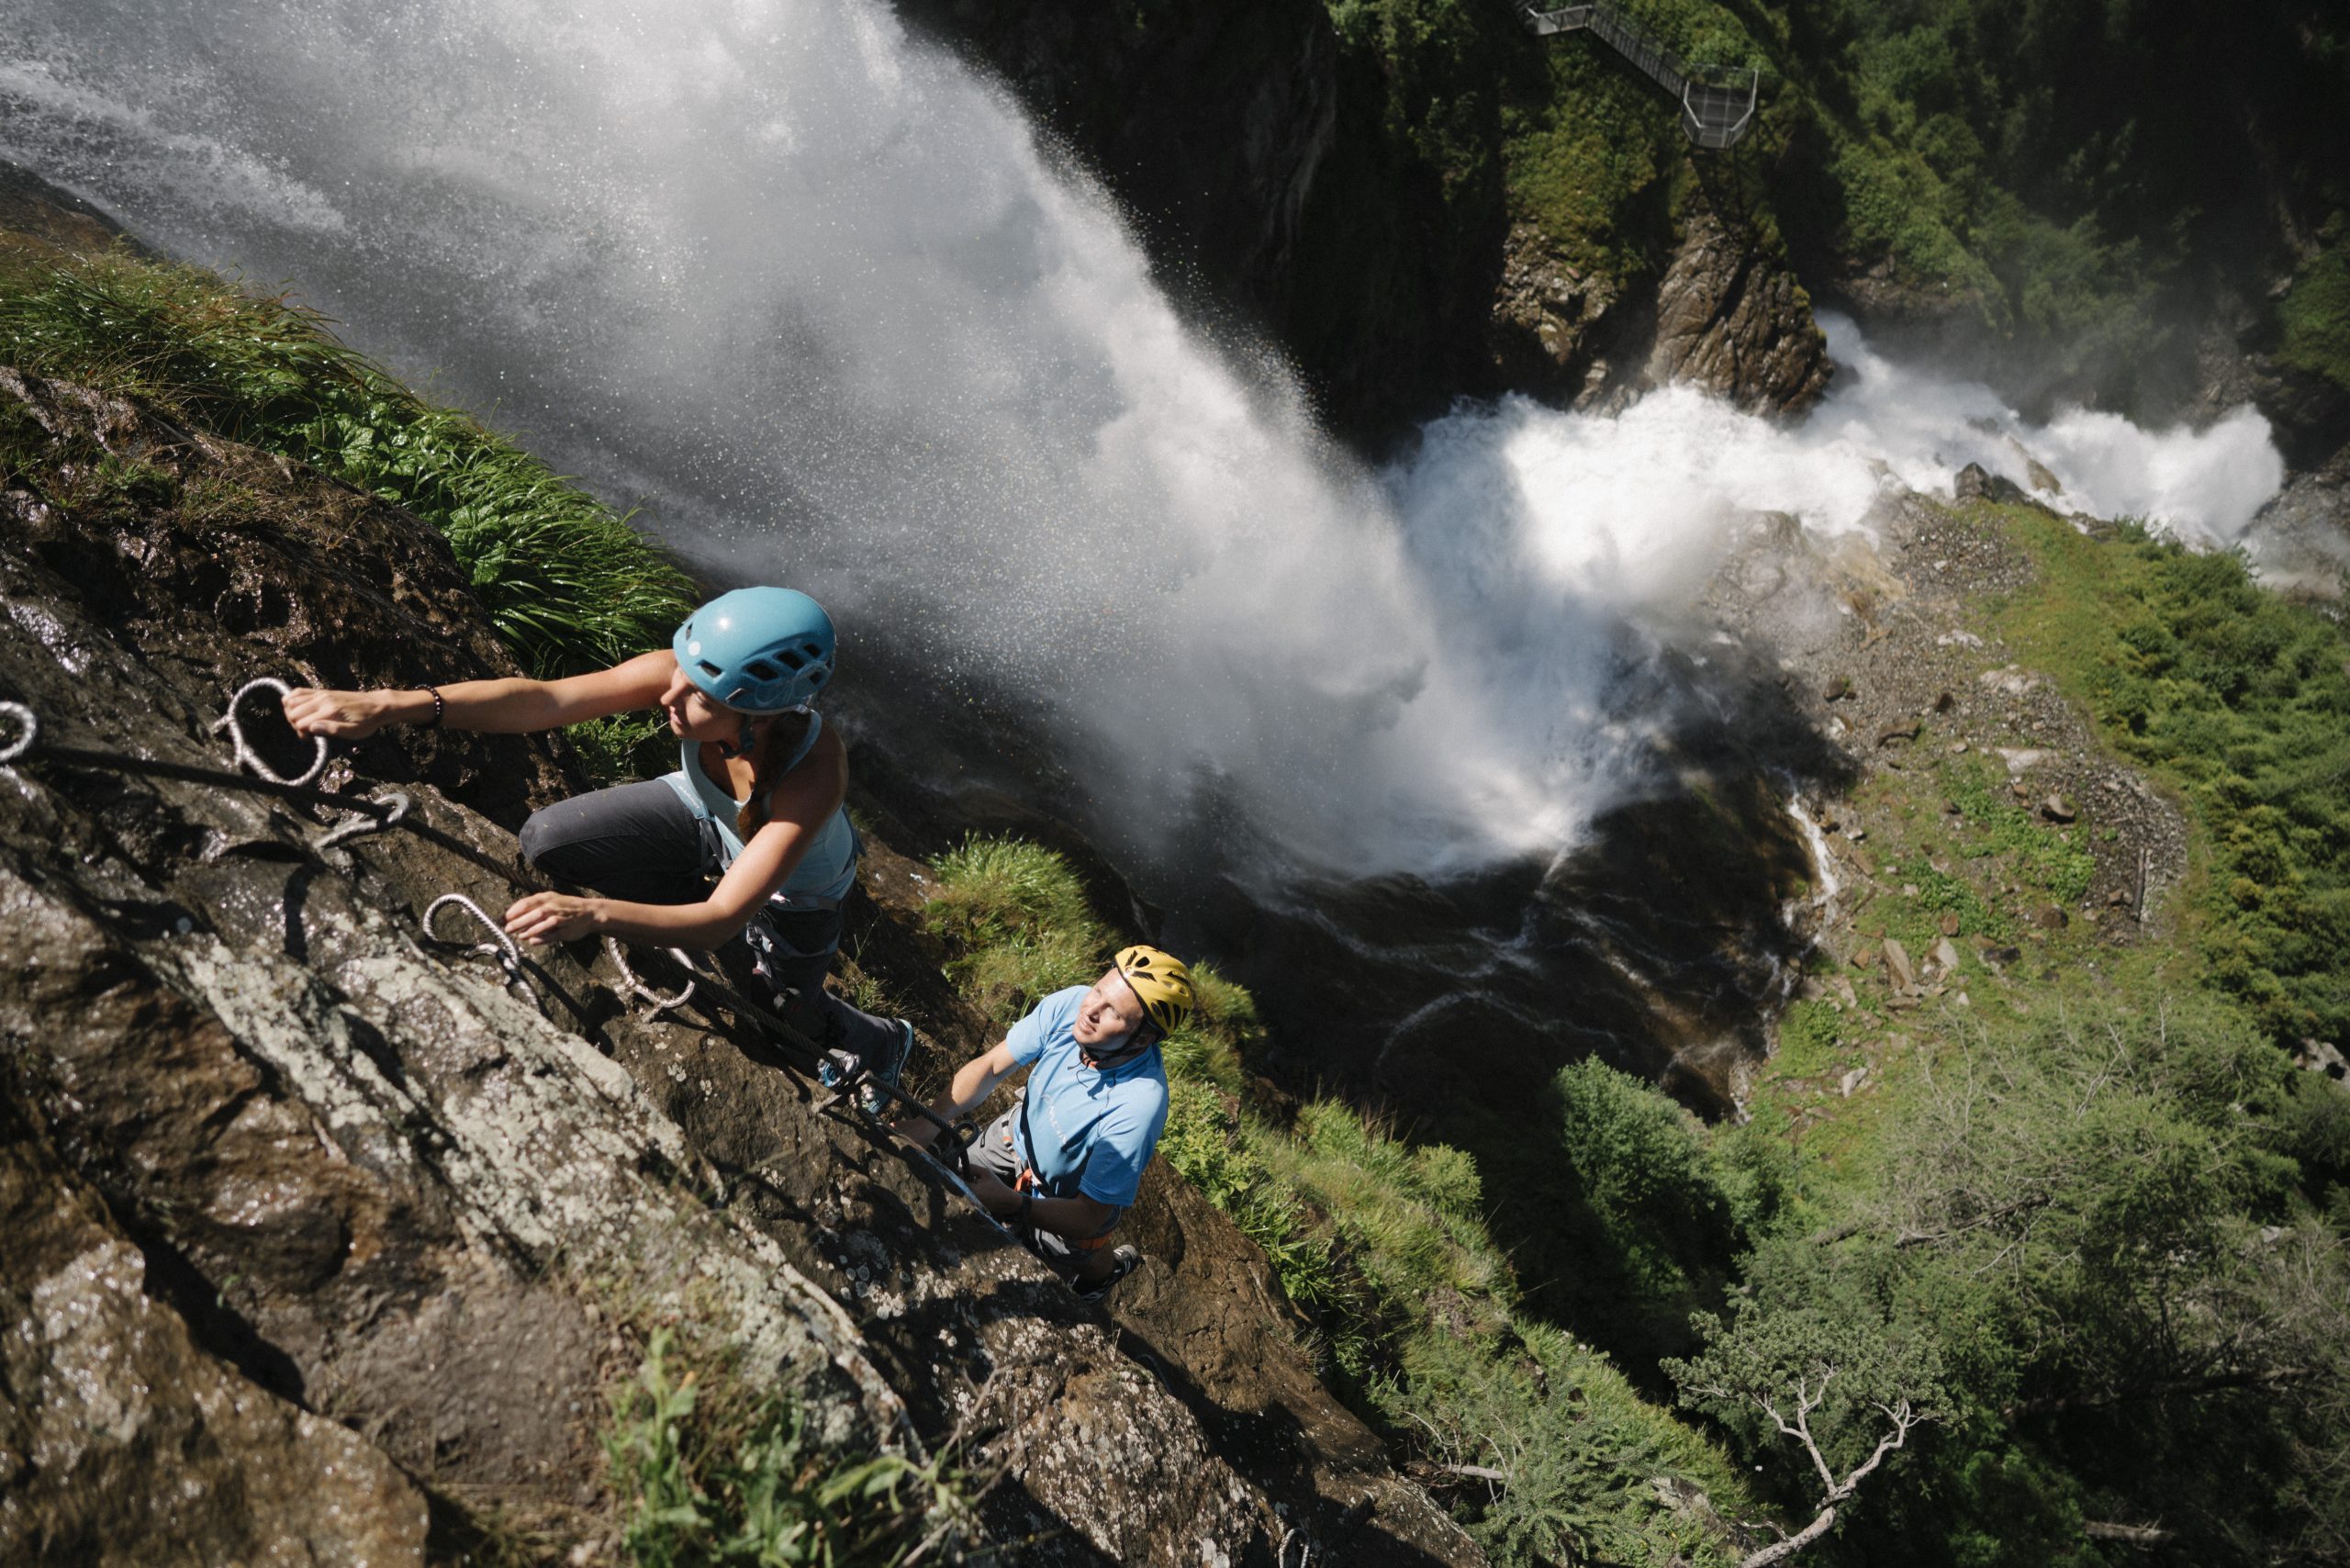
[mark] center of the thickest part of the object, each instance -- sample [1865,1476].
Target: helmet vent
[712,670]
[759,669]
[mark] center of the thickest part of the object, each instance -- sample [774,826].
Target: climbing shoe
[869,1099]
[1123,1261]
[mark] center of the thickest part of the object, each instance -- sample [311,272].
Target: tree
[1846,1389]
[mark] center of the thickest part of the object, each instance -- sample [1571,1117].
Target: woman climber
[755,803]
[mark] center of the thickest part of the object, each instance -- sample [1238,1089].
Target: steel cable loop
[398,810]
[28,723]
[363,824]
[646,994]
[245,754]
[508,956]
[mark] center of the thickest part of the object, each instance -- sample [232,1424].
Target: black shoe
[1123,1261]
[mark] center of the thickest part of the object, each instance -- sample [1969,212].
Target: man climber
[1064,1163]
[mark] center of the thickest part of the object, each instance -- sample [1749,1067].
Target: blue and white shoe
[870,1099]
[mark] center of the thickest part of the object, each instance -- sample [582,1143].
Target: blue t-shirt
[1098,1125]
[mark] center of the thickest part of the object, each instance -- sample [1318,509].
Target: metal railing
[1717,102]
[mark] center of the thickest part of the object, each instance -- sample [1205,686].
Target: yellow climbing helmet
[1161,983]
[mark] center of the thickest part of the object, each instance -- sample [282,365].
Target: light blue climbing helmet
[758,650]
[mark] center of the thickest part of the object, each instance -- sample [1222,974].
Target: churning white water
[810,291]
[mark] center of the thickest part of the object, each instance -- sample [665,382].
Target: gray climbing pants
[641,843]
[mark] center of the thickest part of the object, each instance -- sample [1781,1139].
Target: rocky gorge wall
[1350,199]
[322,1239]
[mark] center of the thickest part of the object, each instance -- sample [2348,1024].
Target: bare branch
[1476,1472]
[2142,1536]
[1780,1550]
[1903,1417]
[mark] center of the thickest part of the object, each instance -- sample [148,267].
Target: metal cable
[246,757]
[644,993]
[27,720]
[367,823]
[508,956]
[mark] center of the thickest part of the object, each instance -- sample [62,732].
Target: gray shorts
[997,1152]
[640,843]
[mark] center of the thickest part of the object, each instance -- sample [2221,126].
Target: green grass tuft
[708,1469]
[568,583]
[1017,916]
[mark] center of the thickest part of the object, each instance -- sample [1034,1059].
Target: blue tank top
[825,873]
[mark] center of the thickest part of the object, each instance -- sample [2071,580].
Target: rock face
[1733,320]
[1214,122]
[1726,316]
[1555,330]
[315,1225]
[122,1441]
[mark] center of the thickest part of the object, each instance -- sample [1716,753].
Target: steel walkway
[1717,102]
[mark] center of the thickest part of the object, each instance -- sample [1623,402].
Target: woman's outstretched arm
[506,707]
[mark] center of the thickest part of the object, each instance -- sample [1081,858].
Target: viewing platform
[1717,102]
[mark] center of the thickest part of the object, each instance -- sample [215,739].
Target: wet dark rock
[1730,318]
[1210,122]
[1727,316]
[32,208]
[1555,332]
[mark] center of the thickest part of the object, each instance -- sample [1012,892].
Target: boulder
[1977,483]
[1897,964]
[1730,318]
[124,1440]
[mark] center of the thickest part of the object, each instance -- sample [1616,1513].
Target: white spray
[811,291]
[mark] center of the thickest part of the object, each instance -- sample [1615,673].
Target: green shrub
[2315,313]
[1017,916]
[1644,1175]
[1588,1471]
[569,585]
[2242,699]
[708,1470]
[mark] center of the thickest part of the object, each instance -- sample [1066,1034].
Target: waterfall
[810,292]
